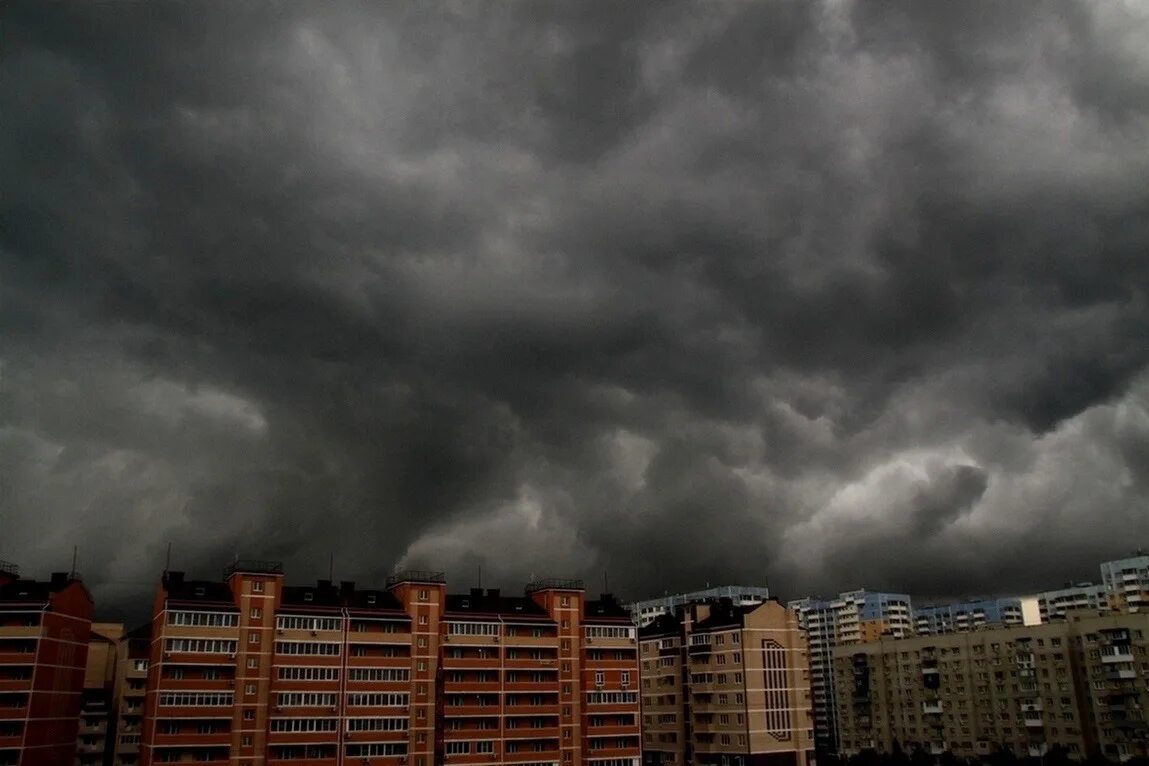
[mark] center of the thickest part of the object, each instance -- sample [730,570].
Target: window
[378,699]
[423,595]
[249,689]
[257,586]
[472,629]
[252,663]
[256,613]
[248,714]
[293,622]
[602,631]
[312,673]
[458,748]
[599,678]
[377,724]
[305,647]
[485,746]
[246,740]
[204,619]
[625,677]
[422,619]
[304,724]
[253,638]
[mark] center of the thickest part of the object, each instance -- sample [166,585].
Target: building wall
[1026,687]
[726,685]
[97,720]
[43,652]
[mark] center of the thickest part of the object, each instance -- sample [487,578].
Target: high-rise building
[97,710]
[133,655]
[726,685]
[939,619]
[646,611]
[44,627]
[1054,605]
[250,670]
[1127,582]
[851,618]
[1079,684]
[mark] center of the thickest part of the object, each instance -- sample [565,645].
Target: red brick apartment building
[44,628]
[253,671]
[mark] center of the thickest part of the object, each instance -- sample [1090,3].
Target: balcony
[1033,720]
[1122,674]
[543,732]
[1114,654]
[932,707]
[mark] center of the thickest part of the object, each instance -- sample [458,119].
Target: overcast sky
[832,294]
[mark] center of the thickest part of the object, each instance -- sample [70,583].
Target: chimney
[493,592]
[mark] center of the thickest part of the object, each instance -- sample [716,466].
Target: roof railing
[415,575]
[7,567]
[253,566]
[554,583]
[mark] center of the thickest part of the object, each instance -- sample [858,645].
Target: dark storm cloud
[831,293]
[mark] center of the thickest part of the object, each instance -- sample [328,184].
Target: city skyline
[842,293]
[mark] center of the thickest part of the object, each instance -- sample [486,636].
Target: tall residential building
[1127,582]
[851,618]
[130,690]
[1080,684]
[645,612]
[251,670]
[726,685]
[938,619]
[97,709]
[44,630]
[1054,605]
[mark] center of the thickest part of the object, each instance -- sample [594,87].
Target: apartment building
[133,654]
[97,709]
[646,611]
[1079,684]
[975,614]
[1055,605]
[851,618]
[1127,582]
[251,670]
[726,685]
[44,627]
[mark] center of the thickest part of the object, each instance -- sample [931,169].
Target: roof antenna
[168,561]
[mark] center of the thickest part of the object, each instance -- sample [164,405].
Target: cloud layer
[828,293]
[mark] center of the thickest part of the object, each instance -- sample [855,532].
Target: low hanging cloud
[825,293]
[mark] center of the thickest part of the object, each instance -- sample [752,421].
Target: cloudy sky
[832,294]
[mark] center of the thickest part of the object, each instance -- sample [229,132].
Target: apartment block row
[1081,685]
[860,616]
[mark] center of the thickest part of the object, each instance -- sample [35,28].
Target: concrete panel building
[97,708]
[850,618]
[974,614]
[1079,684]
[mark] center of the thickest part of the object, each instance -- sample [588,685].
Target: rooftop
[415,575]
[553,583]
[253,566]
[492,603]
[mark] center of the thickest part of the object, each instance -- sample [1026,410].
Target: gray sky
[833,293]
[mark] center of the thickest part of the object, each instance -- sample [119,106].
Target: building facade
[96,735]
[645,612]
[939,619]
[133,654]
[1078,684]
[44,631]
[1055,605]
[726,685]
[851,618]
[251,670]
[1126,582]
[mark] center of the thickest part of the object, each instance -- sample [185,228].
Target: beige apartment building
[97,719]
[726,685]
[1080,684]
[129,694]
